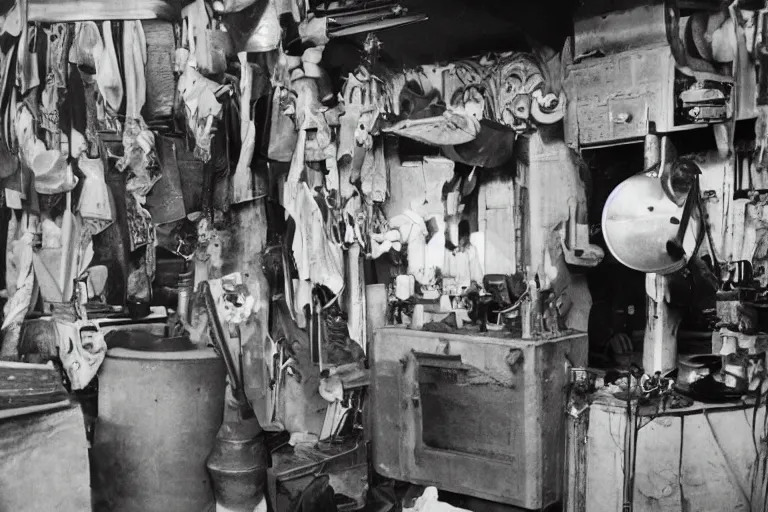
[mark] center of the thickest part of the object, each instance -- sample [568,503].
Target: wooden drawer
[618,119]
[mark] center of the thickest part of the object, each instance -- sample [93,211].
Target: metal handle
[514,358]
[217,335]
[416,395]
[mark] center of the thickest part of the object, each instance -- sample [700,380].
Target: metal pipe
[219,341]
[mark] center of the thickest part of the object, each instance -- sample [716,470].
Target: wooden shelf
[61,11]
[685,128]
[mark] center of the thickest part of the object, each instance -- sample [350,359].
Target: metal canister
[239,459]
[185,284]
[238,464]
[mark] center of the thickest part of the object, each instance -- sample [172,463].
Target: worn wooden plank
[575,490]
[605,458]
[695,462]
[657,487]
[713,475]
[496,206]
[553,179]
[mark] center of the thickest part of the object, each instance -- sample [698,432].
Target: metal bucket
[159,413]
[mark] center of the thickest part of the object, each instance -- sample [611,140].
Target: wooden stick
[356,305]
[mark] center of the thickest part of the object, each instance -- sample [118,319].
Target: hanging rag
[354,94]
[20,281]
[165,202]
[139,156]
[256,28]
[138,141]
[49,112]
[208,46]
[373,175]
[86,52]
[53,175]
[316,259]
[161,84]
[134,62]
[201,107]
[108,75]
[27,63]
[282,130]
[24,62]
[242,181]
[10,21]
[94,206]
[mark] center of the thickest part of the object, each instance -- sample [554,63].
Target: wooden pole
[660,340]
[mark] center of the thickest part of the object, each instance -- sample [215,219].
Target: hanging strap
[675,245]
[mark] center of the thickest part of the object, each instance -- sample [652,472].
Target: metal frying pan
[640,219]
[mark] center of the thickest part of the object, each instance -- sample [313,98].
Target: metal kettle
[239,460]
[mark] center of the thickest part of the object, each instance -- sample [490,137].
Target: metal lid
[638,221]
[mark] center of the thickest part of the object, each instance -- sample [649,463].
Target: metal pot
[694,367]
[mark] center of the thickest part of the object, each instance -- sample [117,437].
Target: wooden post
[660,341]
[356,296]
[575,492]
[249,227]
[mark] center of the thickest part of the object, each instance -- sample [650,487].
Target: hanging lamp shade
[641,224]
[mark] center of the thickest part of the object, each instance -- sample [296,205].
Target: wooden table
[698,458]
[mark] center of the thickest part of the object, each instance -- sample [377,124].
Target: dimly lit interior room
[383,255]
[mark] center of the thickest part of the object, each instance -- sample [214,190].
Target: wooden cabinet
[475,414]
[615,98]
[622,97]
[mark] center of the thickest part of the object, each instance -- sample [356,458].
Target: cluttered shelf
[658,408]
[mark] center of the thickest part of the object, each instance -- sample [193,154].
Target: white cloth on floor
[428,502]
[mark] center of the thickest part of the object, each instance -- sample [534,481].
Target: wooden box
[473,414]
